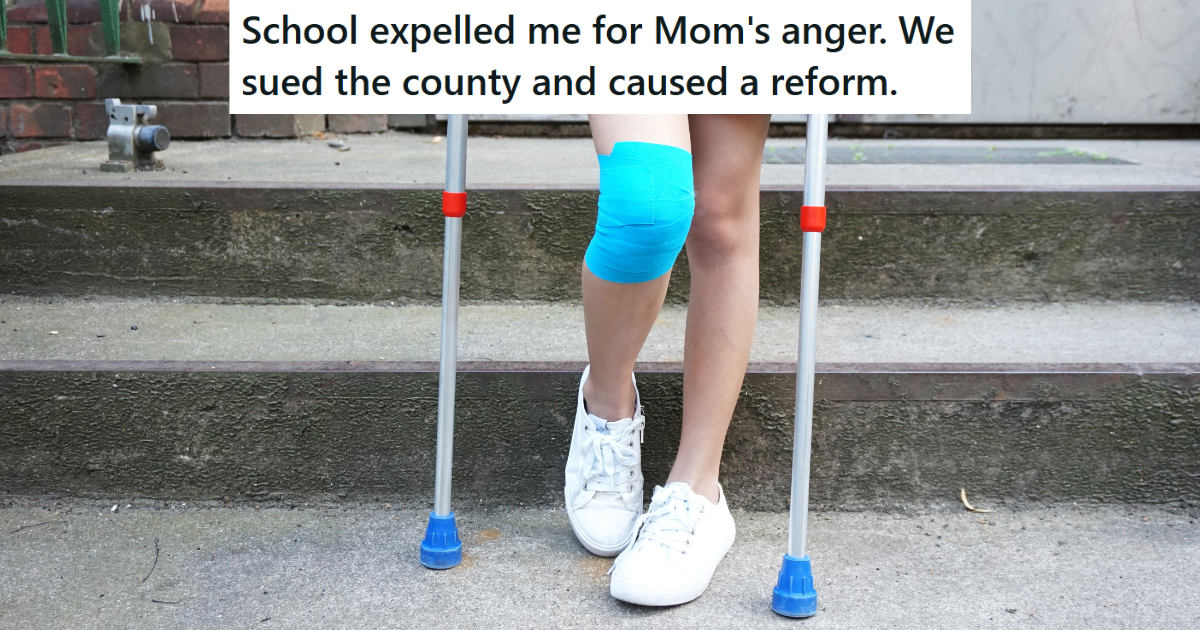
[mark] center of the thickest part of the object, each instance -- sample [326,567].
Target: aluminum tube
[456,176]
[805,369]
[449,365]
[456,153]
[814,195]
[815,152]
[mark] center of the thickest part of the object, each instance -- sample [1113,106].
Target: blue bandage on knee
[646,203]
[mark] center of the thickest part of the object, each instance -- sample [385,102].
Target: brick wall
[44,104]
[185,72]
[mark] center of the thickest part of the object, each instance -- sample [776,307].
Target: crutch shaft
[456,171]
[446,373]
[814,196]
[815,151]
[802,442]
[794,594]
[456,153]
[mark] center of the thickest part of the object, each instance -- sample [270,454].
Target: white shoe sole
[657,595]
[588,543]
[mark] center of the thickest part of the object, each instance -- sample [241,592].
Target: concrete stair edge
[883,436]
[372,245]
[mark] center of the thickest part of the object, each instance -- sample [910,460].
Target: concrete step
[356,566]
[335,242]
[304,402]
[396,158]
[910,220]
[849,332]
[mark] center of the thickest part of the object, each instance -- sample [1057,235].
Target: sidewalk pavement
[82,565]
[405,159]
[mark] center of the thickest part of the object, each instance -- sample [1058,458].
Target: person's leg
[645,209]
[722,252]
[688,528]
[618,316]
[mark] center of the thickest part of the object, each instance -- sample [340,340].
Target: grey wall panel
[1080,61]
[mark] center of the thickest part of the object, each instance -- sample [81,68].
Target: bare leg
[722,250]
[618,317]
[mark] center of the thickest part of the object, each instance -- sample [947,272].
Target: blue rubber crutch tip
[441,548]
[794,595]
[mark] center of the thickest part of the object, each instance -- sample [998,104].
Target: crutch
[794,595]
[441,548]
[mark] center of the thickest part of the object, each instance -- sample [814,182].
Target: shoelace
[610,457]
[670,522]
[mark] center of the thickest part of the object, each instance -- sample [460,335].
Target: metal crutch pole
[441,548]
[794,595]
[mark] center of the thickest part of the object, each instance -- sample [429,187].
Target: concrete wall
[185,71]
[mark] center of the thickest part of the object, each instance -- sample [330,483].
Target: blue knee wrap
[646,203]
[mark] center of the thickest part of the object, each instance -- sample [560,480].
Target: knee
[726,227]
[647,200]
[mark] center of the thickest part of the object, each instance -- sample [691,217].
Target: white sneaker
[604,478]
[680,542]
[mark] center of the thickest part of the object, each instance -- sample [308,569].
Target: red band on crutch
[812,218]
[454,204]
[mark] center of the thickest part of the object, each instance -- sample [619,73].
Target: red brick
[85,41]
[22,146]
[265,125]
[213,12]
[199,43]
[34,11]
[91,121]
[41,41]
[16,82]
[172,80]
[358,123]
[27,11]
[88,11]
[409,121]
[83,12]
[40,120]
[278,125]
[64,82]
[20,40]
[214,80]
[195,120]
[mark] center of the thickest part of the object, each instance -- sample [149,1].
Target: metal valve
[131,142]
